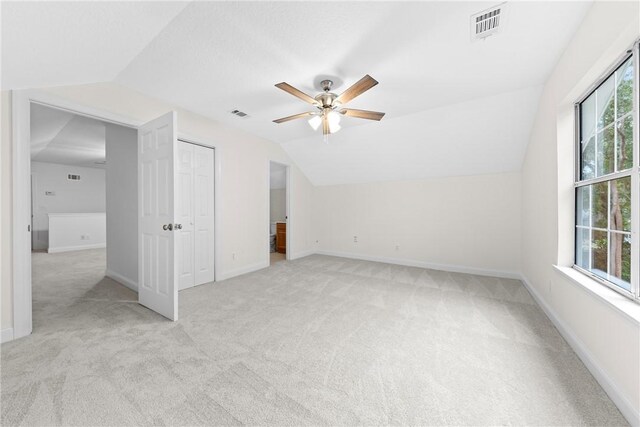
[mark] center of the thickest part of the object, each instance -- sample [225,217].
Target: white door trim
[21,173]
[287,207]
[21,189]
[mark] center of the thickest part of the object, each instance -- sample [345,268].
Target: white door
[203,218]
[157,281]
[184,235]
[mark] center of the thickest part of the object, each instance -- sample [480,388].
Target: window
[607,179]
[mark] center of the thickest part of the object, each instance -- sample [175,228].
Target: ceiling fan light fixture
[315,122]
[328,104]
[333,117]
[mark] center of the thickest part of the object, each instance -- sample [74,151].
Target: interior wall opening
[278,212]
[83,213]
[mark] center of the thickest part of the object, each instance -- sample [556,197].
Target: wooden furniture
[281,237]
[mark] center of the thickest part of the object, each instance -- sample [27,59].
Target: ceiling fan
[329,105]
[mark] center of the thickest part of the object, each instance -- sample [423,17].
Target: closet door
[203,218]
[185,240]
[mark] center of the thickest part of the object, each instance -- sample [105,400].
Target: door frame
[21,101]
[287,209]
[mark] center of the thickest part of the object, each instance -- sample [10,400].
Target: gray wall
[122,204]
[277,204]
[65,196]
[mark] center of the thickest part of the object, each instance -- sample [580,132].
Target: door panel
[204,219]
[158,288]
[186,277]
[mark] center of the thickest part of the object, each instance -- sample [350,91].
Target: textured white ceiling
[213,57]
[485,135]
[64,138]
[216,57]
[62,43]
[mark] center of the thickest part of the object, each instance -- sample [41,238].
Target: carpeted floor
[320,340]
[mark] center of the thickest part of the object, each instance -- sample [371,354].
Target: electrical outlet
[397,247]
[233,256]
[355,239]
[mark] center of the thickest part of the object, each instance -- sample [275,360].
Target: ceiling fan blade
[297,93]
[295,116]
[361,86]
[362,114]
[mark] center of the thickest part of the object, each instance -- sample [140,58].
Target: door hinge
[29,228]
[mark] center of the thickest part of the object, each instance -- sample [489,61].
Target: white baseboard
[6,335]
[301,254]
[76,248]
[131,284]
[424,264]
[609,385]
[242,270]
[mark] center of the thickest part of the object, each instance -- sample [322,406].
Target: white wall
[76,231]
[122,204]
[461,223]
[607,337]
[6,256]
[277,204]
[243,178]
[244,204]
[86,195]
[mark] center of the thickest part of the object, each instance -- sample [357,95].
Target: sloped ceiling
[62,43]
[453,106]
[64,138]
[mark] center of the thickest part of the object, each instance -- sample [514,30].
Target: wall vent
[239,113]
[72,177]
[487,22]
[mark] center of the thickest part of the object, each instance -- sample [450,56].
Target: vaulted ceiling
[61,137]
[454,106]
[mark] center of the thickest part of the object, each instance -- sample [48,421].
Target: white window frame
[633,173]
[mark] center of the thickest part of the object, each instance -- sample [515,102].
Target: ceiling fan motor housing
[326,99]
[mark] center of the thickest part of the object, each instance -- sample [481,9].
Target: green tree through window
[604,212]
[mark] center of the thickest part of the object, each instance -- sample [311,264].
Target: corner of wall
[6,212]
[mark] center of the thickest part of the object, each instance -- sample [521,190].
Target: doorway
[81,198]
[155,183]
[279,232]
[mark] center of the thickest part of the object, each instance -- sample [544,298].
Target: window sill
[622,304]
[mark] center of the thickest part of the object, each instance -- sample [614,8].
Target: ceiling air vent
[239,113]
[487,22]
[72,177]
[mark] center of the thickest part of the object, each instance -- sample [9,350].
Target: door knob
[178,227]
[167,227]
[164,227]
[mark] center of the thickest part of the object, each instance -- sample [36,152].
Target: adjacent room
[81,199]
[277,212]
[320,213]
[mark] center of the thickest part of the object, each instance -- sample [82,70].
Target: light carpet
[316,341]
